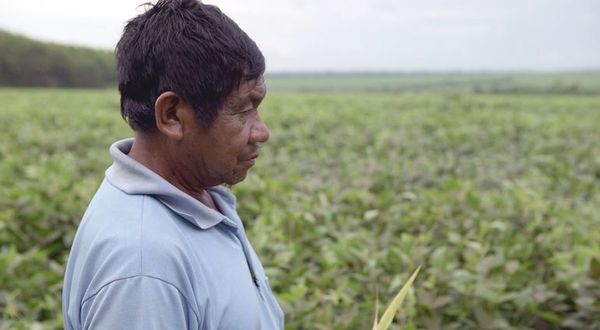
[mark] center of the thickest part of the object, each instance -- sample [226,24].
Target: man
[161,245]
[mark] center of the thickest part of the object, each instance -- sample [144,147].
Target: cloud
[362,35]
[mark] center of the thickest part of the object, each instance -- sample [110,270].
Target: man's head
[191,83]
[188,48]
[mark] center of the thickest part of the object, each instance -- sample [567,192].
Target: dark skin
[193,157]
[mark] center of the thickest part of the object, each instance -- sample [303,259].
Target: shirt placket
[235,230]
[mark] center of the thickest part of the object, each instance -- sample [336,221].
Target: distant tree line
[29,63]
[557,87]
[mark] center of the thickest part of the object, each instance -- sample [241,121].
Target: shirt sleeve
[138,302]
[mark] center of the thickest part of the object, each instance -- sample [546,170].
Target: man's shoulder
[115,211]
[110,202]
[128,233]
[126,221]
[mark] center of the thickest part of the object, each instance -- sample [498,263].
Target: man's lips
[250,160]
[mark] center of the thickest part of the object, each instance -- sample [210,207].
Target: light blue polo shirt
[148,256]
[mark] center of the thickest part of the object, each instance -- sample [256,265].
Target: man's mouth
[250,160]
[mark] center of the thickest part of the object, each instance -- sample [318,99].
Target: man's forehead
[249,89]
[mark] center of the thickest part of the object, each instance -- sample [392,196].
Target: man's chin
[236,177]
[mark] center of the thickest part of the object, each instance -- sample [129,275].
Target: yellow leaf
[389,313]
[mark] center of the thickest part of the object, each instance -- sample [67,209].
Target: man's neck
[146,150]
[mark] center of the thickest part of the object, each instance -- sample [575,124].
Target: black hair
[186,47]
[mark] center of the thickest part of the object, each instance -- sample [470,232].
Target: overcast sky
[345,35]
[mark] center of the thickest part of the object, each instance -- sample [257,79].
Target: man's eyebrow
[240,104]
[256,98]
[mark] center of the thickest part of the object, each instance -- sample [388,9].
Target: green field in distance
[581,82]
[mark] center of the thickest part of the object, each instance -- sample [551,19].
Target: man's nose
[260,131]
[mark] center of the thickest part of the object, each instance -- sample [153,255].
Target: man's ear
[169,110]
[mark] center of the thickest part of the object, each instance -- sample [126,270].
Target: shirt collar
[134,178]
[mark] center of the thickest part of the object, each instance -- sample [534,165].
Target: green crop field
[496,196]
